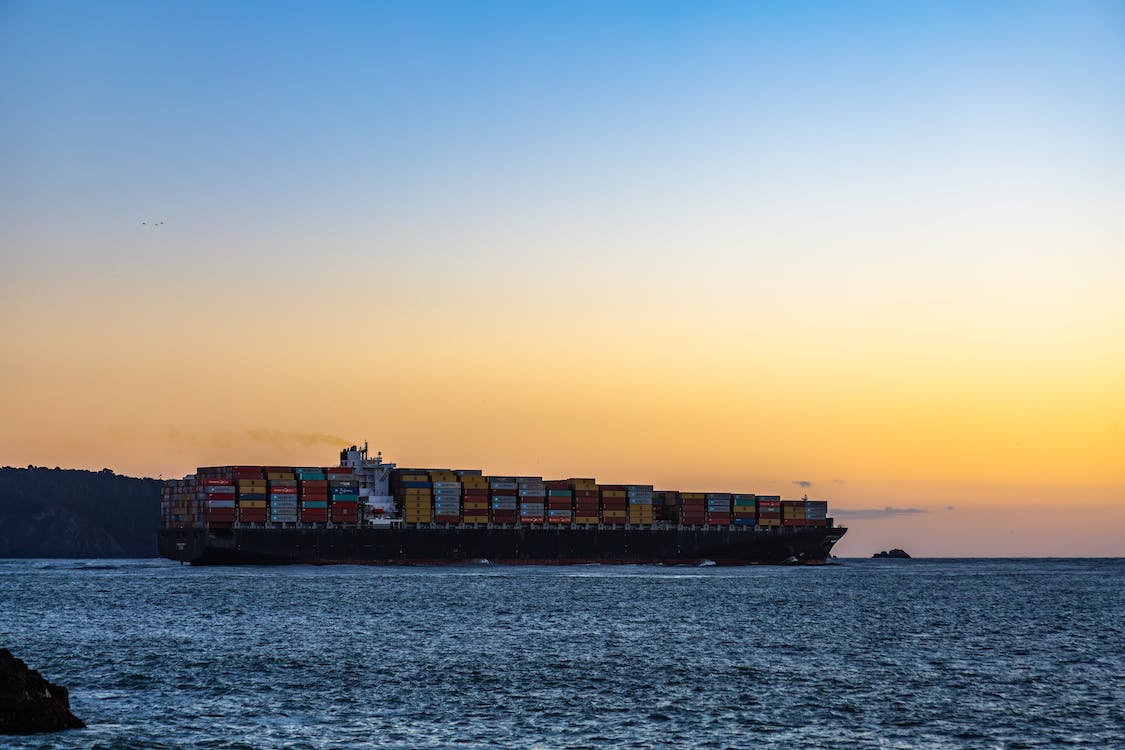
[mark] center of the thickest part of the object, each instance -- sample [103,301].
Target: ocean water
[865,654]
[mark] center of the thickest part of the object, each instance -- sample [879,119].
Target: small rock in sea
[30,704]
[896,554]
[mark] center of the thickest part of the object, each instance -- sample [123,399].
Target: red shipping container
[475,492]
[816,521]
[216,483]
[586,493]
[504,493]
[283,490]
[531,519]
[314,483]
[793,522]
[559,503]
[338,470]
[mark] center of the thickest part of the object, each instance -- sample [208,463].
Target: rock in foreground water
[28,703]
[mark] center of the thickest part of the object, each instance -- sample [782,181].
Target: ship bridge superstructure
[374,477]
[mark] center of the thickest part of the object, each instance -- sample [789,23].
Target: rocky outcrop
[896,554]
[28,703]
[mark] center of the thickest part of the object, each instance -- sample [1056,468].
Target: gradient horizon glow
[875,248]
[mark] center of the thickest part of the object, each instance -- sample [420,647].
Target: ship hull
[518,545]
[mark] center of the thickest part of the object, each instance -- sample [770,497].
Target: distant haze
[871,252]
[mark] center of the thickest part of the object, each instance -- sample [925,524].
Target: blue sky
[874,242]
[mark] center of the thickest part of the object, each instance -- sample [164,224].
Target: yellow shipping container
[613,514]
[252,503]
[416,492]
[613,493]
[476,519]
[474,483]
[414,478]
[586,519]
[693,495]
[469,505]
[281,475]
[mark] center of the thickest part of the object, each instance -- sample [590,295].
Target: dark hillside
[72,513]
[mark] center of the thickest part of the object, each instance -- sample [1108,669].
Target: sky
[872,252]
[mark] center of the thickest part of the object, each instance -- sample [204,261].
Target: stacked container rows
[220,496]
[179,504]
[224,496]
[430,495]
[587,505]
[474,496]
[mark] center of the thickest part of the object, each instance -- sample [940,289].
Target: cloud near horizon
[802,483]
[887,512]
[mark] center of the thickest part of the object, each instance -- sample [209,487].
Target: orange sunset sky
[877,258]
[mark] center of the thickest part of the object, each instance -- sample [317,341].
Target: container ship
[368,511]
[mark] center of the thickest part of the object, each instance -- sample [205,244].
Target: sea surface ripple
[865,654]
